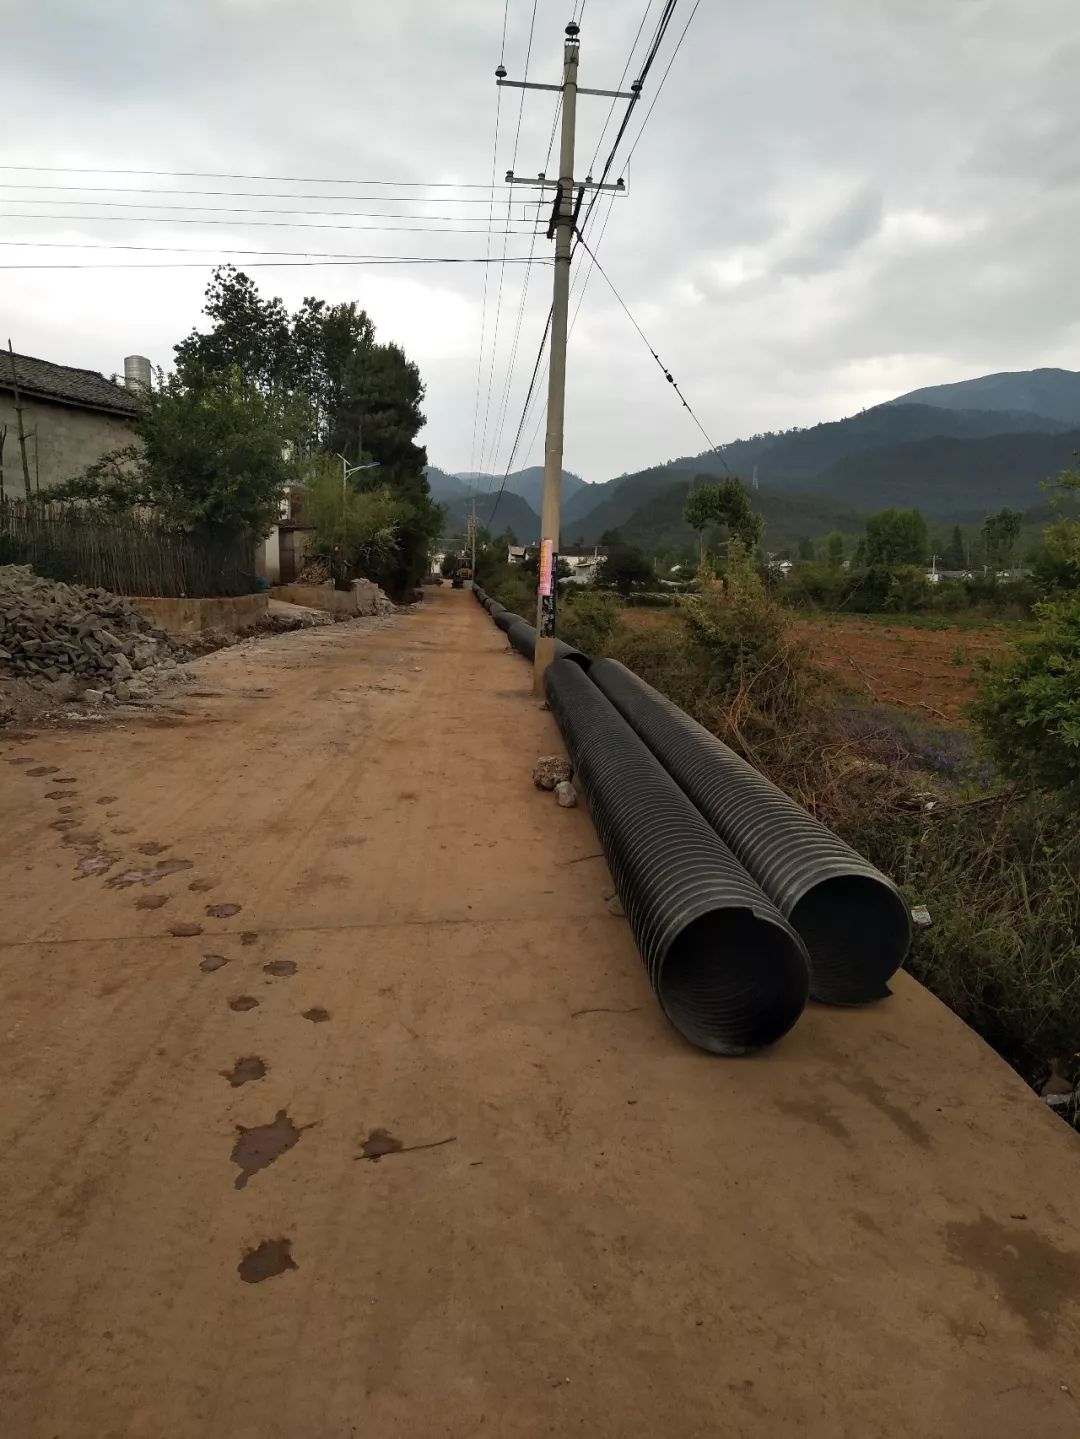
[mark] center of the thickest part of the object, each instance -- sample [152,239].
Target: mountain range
[955,451]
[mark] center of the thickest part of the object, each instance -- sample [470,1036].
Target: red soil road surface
[869,1231]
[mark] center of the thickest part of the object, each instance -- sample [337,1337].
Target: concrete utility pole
[562,226]
[472,539]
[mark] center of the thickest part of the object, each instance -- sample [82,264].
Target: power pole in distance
[563,222]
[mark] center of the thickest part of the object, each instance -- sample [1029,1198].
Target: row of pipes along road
[742,904]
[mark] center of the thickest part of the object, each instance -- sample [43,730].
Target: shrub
[512,587]
[1029,709]
[813,587]
[1000,880]
[588,621]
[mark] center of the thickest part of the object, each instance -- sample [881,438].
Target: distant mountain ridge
[956,451]
[528,483]
[1053,393]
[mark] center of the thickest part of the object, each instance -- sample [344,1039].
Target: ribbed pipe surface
[522,636]
[729,971]
[505,618]
[494,608]
[853,921]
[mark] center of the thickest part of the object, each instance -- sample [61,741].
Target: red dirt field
[931,670]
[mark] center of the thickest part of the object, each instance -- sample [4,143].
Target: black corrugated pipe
[853,921]
[729,971]
[522,636]
[505,618]
[494,608]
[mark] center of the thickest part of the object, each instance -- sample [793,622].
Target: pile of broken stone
[95,645]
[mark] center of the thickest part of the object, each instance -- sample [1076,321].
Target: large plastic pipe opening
[856,931]
[732,983]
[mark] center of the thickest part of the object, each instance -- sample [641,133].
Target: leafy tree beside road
[212,457]
[259,401]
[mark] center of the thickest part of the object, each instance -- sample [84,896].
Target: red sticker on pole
[545,568]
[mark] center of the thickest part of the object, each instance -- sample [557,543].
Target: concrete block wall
[61,441]
[191,616]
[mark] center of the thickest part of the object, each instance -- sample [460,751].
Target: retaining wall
[191,616]
[361,599]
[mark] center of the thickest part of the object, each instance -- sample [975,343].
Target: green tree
[727,503]
[1001,530]
[624,568]
[807,551]
[1059,565]
[834,550]
[1029,710]
[332,388]
[210,457]
[954,555]
[451,562]
[896,537]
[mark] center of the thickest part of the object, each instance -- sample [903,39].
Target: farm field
[913,666]
[929,666]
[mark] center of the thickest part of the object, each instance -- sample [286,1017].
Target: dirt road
[590,1229]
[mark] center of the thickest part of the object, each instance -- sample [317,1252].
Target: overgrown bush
[1029,709]
[1001,878]
[511,586]
[588,620]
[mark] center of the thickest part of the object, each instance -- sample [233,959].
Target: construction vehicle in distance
[460,576]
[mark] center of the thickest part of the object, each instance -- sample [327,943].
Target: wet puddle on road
[379,1142]
[271,1258]
[280,967]
[244,1071]
[261,1145]
[95,864]
[185,931]
[242,1002]
[223,911]
[210,962]
[316,1015]
[249,937]
[151,901]
[161,870]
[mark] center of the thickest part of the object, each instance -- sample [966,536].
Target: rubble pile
[100,644]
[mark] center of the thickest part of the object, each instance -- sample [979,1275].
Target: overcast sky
[833,202]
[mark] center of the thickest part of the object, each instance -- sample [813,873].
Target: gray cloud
[830,204]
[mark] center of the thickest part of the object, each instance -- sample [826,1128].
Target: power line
[521,309]
[611,197]
[491,216]
[238,195]
[506,236]
[663,78]
[266,264]
[664,369]
[505,407]
[250,210]
[229,250]
[250,224]
[225,175]
[521,422]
